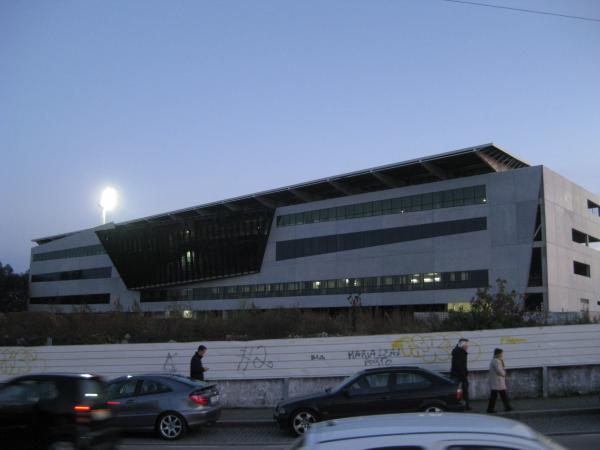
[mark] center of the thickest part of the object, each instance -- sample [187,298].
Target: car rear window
[190,381]
[92,391]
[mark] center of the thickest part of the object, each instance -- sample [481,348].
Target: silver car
[423,431]
[167,403]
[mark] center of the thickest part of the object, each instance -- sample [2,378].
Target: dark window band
[391,283]
[472,195]
[90,250]
[86,274]
[298,248]
[89,299]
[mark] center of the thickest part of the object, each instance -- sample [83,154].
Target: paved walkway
[527,406]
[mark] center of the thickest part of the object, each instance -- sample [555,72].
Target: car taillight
[82,408]
[459,394]
[113,403]
[199,399]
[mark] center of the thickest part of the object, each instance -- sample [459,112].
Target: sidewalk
[527,406]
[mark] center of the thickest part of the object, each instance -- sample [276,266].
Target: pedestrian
[196,368]
[459,370]
[497,377]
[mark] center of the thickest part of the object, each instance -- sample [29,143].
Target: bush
[489,310]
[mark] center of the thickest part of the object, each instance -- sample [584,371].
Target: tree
[488,310]
[14,289]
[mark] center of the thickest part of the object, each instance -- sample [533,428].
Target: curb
[549,412]
[508,415]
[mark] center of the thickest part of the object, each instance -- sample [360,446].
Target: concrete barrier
[258,373]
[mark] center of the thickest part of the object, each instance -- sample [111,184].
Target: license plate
[214,399]
[100,414]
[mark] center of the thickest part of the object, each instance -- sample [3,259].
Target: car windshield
[342,383]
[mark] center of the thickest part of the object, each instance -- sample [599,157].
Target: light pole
[108,201]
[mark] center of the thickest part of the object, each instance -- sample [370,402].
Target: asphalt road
[576,432]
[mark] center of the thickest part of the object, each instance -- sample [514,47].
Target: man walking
[196,368]
[459,369]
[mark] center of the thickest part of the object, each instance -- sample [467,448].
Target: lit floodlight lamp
[108,201]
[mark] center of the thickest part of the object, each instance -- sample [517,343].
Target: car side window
[20,393]
[122,389]
[47,390]
[153,387]
[374,382]
[410,380]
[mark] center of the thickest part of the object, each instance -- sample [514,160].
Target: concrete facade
[504,248]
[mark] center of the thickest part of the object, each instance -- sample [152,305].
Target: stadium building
[421,235]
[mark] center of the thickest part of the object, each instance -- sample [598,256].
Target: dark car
[166,403]
[55,411]
[373,391]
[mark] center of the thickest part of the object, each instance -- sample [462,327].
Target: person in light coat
[497,378]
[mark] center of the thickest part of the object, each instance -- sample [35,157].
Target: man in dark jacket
[196,368]
[459,369]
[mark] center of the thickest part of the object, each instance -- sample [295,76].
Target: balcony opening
[594,208]
[582,269]
[580,237]
[535,268]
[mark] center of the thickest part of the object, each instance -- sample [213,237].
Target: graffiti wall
[314,357]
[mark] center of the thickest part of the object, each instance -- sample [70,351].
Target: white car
[423,431]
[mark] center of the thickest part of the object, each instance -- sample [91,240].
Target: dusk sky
[179,103]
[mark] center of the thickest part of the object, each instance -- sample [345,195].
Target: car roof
[82,376]
[417,423]
[394,368]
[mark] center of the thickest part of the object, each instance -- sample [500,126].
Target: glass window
[122,389]
[323,215]
[314,216]
[20,393]
[376,208]
[340,212]
[436,200]
[153,387]
[427,201]
[376,382]
[459,197]
[410,380]
[386,206]
[397,206]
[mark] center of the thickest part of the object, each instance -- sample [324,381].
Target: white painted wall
[571,345]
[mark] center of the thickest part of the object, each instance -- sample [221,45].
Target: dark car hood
[317,395]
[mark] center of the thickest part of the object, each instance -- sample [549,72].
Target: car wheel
[302,419]
[433,409]
[62,445]
[171,426]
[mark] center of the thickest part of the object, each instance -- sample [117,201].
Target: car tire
[171,426]
[433,408]
[301,419]
[62,444]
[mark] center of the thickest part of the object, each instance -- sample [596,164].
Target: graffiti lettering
[169,364]
[512,340]
[316,357]
[433,349]
[19,361]
[254,358]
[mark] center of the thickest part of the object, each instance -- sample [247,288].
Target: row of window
[85,274]
[87,299]
[298,248]
[392,283]
[89,250]
[472,195]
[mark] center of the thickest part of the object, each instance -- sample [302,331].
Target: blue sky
[178,103]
